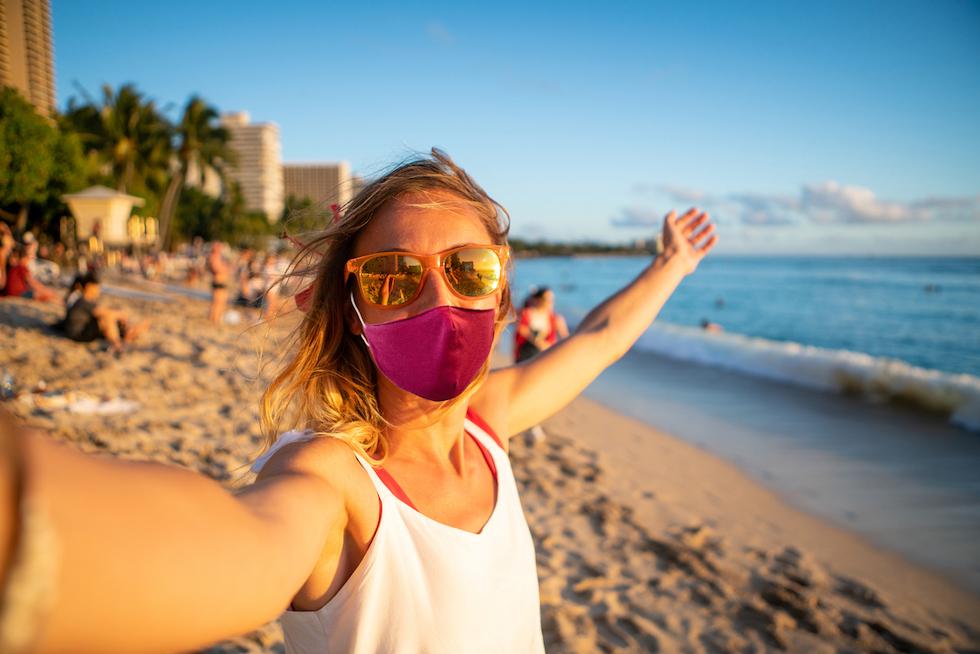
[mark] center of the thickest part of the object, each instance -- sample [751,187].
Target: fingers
[696,227]
[688,215]
[683,220]
[705,240]
[701,234]
[704,249]
[694,223]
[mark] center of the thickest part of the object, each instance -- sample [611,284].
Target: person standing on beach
[220,277]
[538,328]
[384,514]
[249,295]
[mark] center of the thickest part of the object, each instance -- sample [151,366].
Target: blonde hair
[328,382]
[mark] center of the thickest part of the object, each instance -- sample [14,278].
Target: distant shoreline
[572,252]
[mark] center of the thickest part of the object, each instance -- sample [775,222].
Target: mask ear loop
[363,324]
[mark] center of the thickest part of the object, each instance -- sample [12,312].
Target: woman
[391,521]
[6,247]
[538,326]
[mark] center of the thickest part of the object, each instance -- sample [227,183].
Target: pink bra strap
[393,486]
[397,490]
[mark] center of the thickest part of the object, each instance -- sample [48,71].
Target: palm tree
[128,134]
[202,145]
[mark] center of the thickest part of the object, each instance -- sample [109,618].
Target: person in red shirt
[6,247]
[538,326]
[21,283]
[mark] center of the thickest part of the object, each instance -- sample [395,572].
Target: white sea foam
[875,378]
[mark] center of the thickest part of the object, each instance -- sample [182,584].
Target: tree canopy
[38,163]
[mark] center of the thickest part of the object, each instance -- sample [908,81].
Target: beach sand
[644,543]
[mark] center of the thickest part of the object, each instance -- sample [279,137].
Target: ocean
[904,329]
[849,386]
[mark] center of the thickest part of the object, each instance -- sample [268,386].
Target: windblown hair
[328,382]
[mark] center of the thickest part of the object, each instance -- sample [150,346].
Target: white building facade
[258,169]
[26,51]
[324,184]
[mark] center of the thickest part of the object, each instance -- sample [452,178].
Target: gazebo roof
[103,193]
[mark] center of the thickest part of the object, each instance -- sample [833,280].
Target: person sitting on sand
[21,283]
[85,321]
[41,268]
[385,513]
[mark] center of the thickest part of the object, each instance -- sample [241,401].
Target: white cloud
[828,202]
[953,209]
[831,202]
[762,209]
[638,218]
[683,194]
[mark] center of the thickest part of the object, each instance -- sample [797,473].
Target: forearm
[10,476]
[605,334]
[613,326]
[153,557]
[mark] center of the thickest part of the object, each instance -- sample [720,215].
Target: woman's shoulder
[304,452]
[489,416]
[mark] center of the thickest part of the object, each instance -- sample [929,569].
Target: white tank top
[424,586]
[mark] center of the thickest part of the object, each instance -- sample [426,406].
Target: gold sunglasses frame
[429,262]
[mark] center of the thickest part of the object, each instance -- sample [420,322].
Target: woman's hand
[688,239]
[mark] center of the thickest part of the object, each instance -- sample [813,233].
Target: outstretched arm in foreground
[154,558]
[526,394]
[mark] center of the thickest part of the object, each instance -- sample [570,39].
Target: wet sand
[644,542]
[902,477]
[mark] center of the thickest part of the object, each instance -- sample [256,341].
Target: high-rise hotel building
[324,184]
[258,169]
[26,60]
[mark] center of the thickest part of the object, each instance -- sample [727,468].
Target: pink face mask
[435,354]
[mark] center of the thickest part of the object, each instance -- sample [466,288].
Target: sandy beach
[644,542]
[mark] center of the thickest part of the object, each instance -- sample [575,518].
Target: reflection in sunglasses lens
[473,272]
[391,279]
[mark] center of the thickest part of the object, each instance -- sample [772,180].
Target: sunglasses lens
[390,279]
[474,272]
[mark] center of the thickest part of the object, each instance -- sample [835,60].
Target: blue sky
[825,127]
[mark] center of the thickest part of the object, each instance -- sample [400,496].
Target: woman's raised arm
[526,394]
[154,558]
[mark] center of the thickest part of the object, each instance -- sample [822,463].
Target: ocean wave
[843,371]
